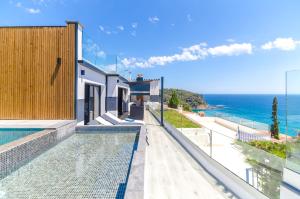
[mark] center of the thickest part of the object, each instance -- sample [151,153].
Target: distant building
[144,90]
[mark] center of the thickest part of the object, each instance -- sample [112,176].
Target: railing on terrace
[248,137]
[293,119]
[238,157]
[254,166]
[244,122]
[93,54]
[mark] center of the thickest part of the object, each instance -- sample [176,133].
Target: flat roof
[42,26]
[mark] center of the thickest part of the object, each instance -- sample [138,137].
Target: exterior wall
[112,95]
[79,42]
[37,79]
[113,83]
[91,77]
[154,91]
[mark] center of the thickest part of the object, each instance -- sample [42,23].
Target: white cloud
[104,30]
[18,4]
[38,1]
[154,19]
[189,17]
[93,49]
[121,28]
[133,33]
[230,50]
[134,25]
[230,40]
[101,28]
[192,53]
[33,10]
[285,44]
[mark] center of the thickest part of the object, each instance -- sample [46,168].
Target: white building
[98,91]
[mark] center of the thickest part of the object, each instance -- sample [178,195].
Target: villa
[65,131]
[143,91]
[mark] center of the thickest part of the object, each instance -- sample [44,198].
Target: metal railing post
[162,101]
[210,137]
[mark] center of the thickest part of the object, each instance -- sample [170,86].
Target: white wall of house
[154,87]
[154,90]
[79,42]
[113,84]
[95,77]
[91,77]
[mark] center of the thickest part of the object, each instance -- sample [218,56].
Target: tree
[275,124]
[187,107]
[174,101]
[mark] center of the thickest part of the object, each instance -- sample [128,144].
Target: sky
[207,47]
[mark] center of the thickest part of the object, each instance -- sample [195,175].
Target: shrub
[268,146]
[174,101]
[187,107]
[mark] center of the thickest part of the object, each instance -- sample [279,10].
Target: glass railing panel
[243,122]
[293,155]
[293,120]
[234,147]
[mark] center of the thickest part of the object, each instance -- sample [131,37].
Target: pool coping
[17,153]
[135,185]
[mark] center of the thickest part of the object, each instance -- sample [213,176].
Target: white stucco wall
[79,42]
[154,87]
[113,83]
[112,89]
[91,77]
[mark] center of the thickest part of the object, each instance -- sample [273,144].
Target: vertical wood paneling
[32,86]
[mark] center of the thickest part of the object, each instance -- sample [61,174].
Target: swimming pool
[86,165]
[11,134]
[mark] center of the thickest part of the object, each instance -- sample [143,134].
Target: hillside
[195,100]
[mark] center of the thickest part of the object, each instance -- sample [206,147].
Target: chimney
[139,78]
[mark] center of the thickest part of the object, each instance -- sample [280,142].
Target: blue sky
[210,46]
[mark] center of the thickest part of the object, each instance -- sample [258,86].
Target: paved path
[171,173]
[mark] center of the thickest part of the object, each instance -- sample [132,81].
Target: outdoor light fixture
[58,61]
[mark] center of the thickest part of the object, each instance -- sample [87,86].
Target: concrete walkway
[171,173]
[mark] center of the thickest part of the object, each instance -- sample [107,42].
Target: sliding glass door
[92,102]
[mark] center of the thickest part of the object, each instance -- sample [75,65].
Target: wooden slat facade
[33,84]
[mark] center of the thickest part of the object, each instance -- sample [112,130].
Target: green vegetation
[271,147]
[173,101]
[274,126]
[265,165]
[187,107]
[187,99]
[178,120]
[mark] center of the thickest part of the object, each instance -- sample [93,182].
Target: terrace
[174,154]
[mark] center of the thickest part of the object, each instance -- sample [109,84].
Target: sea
[255,110]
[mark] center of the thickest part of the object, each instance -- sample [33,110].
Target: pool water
[86,165]
[8,134]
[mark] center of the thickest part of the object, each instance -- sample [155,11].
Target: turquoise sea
[255,110]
